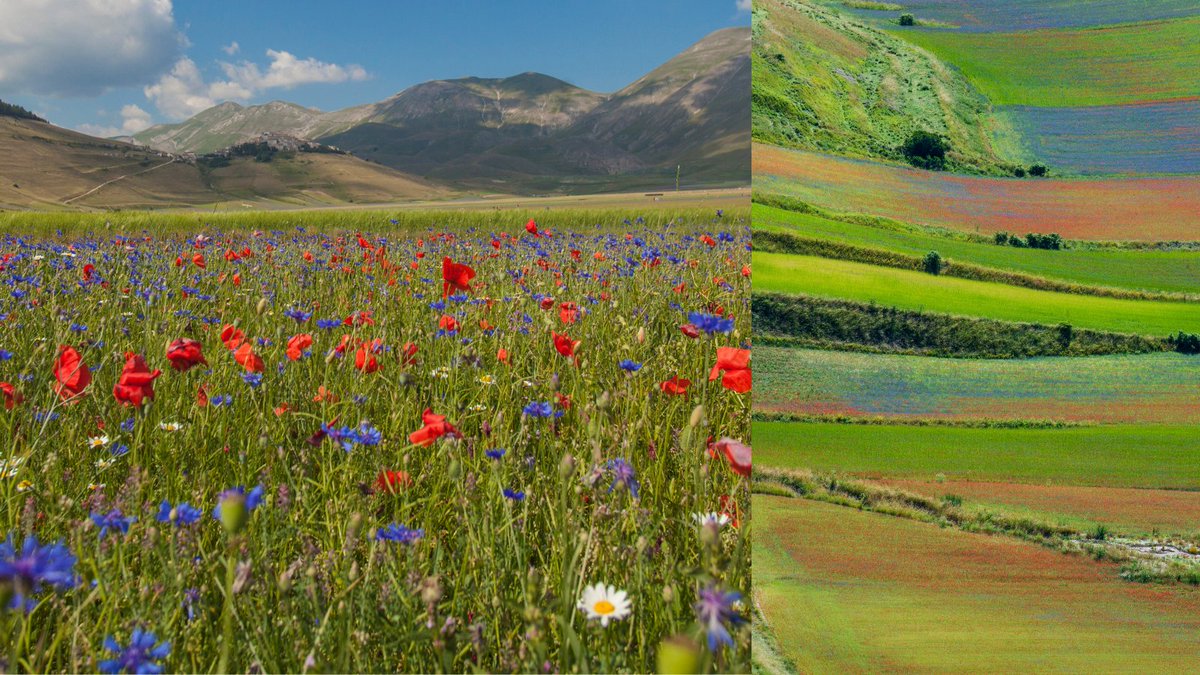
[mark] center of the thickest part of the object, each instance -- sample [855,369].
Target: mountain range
[527,133]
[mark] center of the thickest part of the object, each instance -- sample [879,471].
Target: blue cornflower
[35,566]
[221,400]
[514,495]
[118,450]
[185,514]
[78,328]
[710,323]
[328,323]
[368,435]
[495,453]
[345,436]
[139,657]
[630,366]
[298,315]
[399,533]
[127,425]
[623,475]
[437,306]
[539,409]
[714,609]
[253,379]
[253,498]
[5,355]
[113,520]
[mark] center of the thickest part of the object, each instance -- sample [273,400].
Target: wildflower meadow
[427,443]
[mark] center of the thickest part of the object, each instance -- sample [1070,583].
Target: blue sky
[119,67]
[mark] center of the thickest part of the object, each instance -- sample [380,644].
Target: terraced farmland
[1017,15]
[908,289]
[1151,270]
[1113,209]
[1142,388]
[1094,65]
[850,591]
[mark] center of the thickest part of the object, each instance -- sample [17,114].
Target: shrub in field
[932,262]
[364,451]
[1019,172]
[925,150]
[1185,343]
[1001,238]
[907,19]
[1037,170]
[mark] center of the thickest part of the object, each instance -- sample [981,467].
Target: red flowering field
[499,444]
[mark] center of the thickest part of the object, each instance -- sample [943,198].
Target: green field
[1110,455]
[850,591]
[1148,270]
[1126,388]
[916,290]
[1126,63]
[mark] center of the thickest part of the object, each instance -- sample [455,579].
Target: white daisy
[721,519]
[97,442]
[487,379]
[103,464]
[24,485]
[605,603]
[170,426]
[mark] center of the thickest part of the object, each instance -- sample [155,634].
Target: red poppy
[184,354]
[568,312]
[324,394]
[730,508]
[392,481]
[737,453]
[733,366]
[88,270]
[502,355]
[546,302]
[448,323]
[746,271]
[676,386]
[531,227]
[362,318]
[408,355]
[198,261]
[248,359]
[136,383]
[12,397]
[308,256]
[364,358]
[456,276]
[435,426]
[690,330]
[565,345]
[564,401]
[202,395]
[71,373]
[708,240]
[232,336]
[297,344]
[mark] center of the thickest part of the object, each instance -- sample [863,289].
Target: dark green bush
[1185,343]
[933,262]
[907,20]
[926,150]
[1038,170]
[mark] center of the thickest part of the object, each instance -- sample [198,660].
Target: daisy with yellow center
[24,485]
[605,603]
[170,426]
[487,379]
[97,442]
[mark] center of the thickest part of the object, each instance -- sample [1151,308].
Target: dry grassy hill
[47,167]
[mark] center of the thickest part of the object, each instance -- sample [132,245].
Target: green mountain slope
[824,81]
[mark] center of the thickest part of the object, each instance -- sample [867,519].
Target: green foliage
[926,150]
[907,19]
[842,324]
[1037,170]
[932,263]
[1185,343]
[13,110]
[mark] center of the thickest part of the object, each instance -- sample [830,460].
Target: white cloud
[183,92]
[744,5]
[231,48]
[133,120]
[85,47]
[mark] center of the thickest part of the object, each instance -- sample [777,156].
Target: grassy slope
[824,81]
[1127,63]
[1141,388]
[1112,456]
[847,591]
[1174,271]
[916,290]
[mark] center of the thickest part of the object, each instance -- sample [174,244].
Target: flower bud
[678,654]
[233,512]
[566,467]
